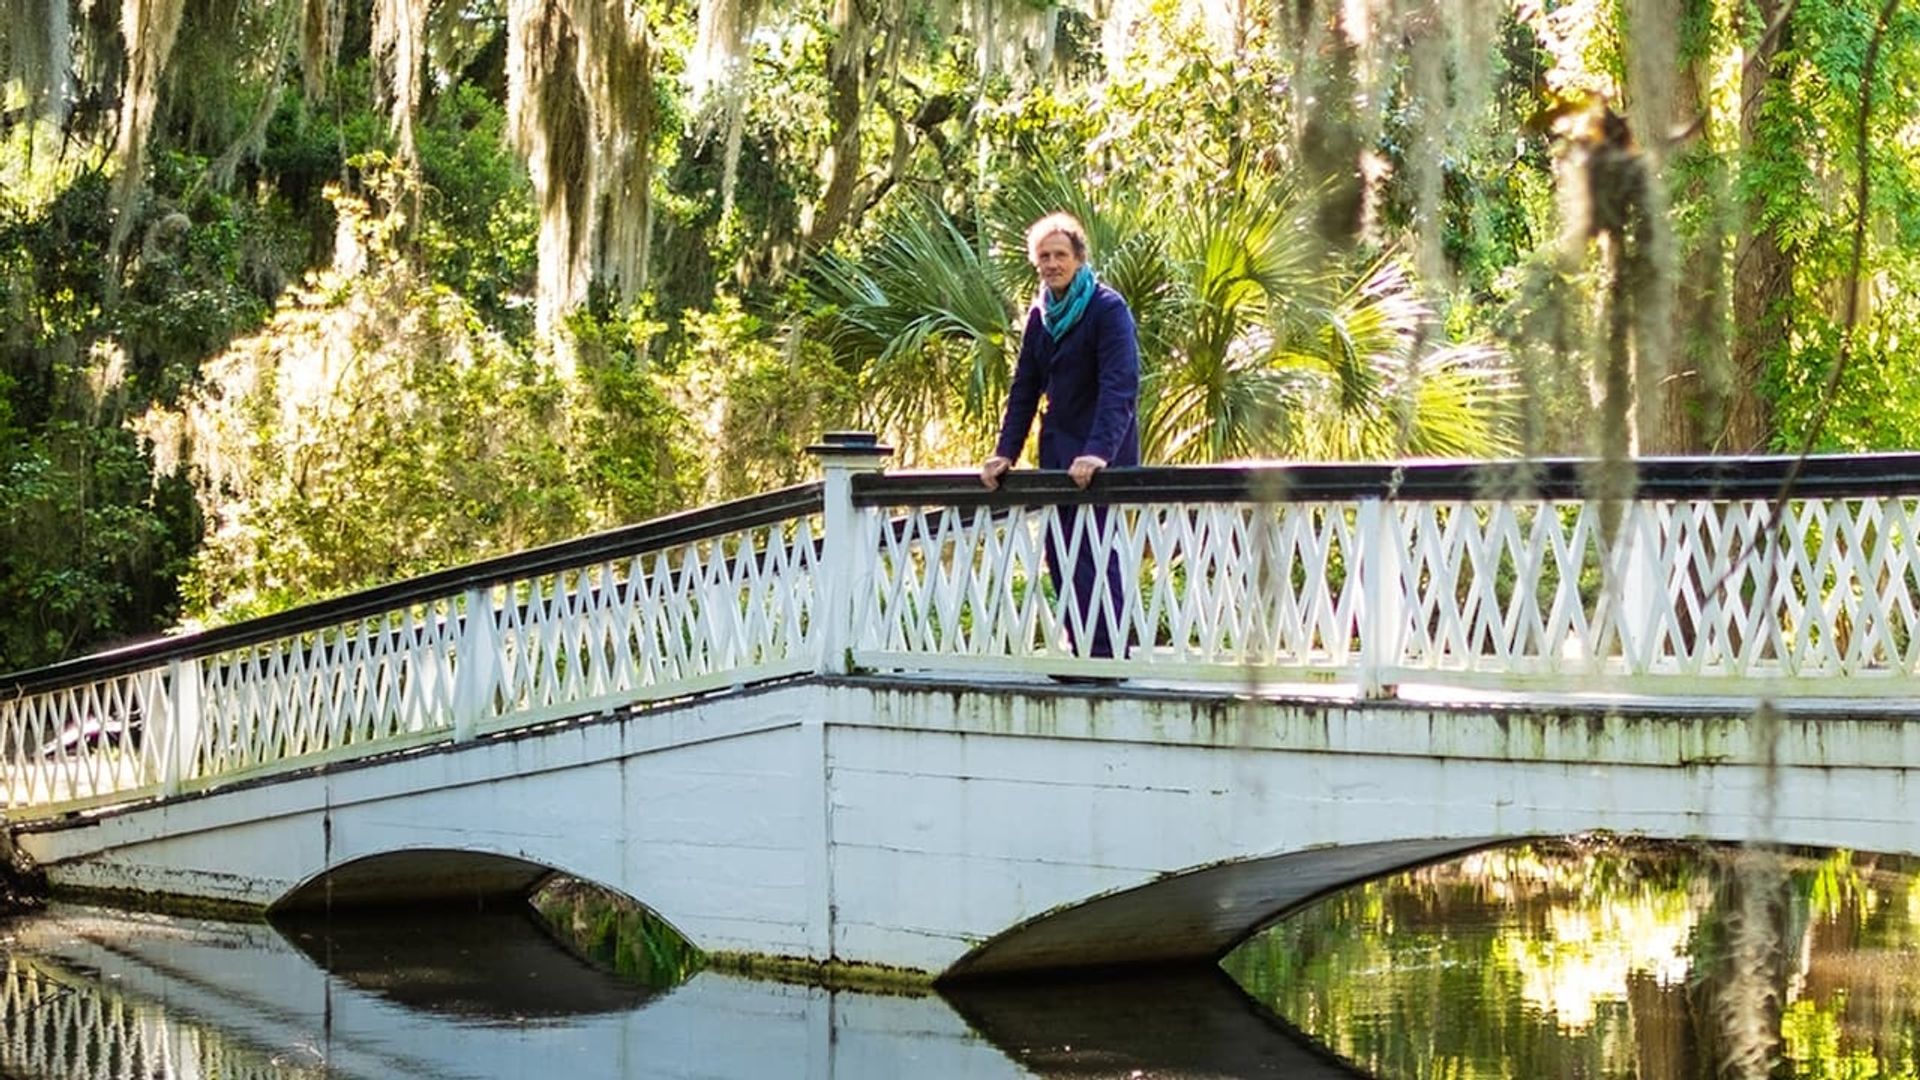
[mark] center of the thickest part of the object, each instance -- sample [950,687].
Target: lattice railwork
[1509,587]
[1202,587]
[662,610]
[706,613]
[1705,595]
[363,682]
[1671,595]
[83,741]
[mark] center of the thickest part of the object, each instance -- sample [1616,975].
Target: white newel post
[1382,596]
[476,661]
[180,737]
[846,561]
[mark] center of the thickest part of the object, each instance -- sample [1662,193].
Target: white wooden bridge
[817,723]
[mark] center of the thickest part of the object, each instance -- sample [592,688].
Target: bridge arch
[491,924]
[1197,915]
[415,877]
[1201,915]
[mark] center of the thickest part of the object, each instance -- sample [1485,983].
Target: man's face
[1055,260]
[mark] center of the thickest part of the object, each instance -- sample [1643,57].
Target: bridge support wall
[1000,828]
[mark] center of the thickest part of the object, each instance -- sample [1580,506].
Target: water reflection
[1603,959]
[92,993]
[615,934]
[1582,959]
[1190,1024]
[479,966]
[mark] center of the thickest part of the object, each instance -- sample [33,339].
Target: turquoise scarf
[1060,315]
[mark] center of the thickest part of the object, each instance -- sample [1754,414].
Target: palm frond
[924,319]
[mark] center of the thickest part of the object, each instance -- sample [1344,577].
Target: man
[1081,353]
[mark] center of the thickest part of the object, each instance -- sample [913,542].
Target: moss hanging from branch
[35,50]
[551,128]
[619,82]
[580,90]
[715,85]
[399,53]
[866,42]
[1018,39]
[320,26]
[148,28]
[719,50]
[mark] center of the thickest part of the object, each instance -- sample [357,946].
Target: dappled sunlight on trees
[372,430]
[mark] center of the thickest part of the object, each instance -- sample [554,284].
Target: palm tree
[1252,343]
[1367,383]
[1274,349]
[1242,279]
[925,320]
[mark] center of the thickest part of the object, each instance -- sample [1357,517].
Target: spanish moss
[148,27]
[399,48]
[35,56]
[321,24]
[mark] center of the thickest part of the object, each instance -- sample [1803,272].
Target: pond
[1578,958]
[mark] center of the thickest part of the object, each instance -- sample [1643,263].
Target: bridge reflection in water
[91,993]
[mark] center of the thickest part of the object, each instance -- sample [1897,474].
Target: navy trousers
[1094,591]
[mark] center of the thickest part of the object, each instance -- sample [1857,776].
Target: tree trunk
[1762,264]
[1697,384]
[846,68]
[1331,142]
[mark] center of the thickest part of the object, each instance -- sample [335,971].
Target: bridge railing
[675,606]
[1496,575]
[1507,575]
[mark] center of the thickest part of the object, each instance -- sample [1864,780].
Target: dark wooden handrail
[1710,478]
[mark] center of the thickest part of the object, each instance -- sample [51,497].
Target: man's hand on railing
[992,469]
[1081,471]
[1084,467]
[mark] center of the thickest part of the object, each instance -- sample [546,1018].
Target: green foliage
[1183,114]
[1496,199]
[631,442]
[54,257]
[476,235]
[756,404]
[89,546]
[1876,405]
[1808,198]
[204,270]
[90,541]
[927,322]
[374,430]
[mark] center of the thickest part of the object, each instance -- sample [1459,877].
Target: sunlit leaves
[372,431]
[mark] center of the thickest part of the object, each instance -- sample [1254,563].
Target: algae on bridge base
[829,974]
[161,903]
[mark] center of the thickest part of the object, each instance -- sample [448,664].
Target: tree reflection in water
[1556,960]
[1601,958]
